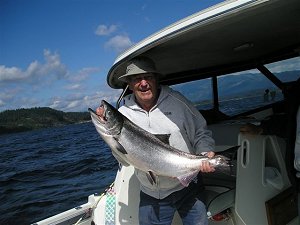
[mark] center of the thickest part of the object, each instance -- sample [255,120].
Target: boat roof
[229,37]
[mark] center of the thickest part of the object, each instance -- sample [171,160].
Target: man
[160,110]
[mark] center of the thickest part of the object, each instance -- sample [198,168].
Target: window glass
[286,70]
[199,92]
[244,91]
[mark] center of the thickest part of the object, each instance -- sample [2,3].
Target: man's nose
[144,82]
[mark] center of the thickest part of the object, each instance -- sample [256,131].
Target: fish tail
[187,178]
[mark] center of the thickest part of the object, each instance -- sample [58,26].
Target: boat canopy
[229,37]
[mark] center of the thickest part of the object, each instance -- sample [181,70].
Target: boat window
[286,70]
[198,92]
[244,91]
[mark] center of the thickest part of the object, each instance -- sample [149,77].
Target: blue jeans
[161,211]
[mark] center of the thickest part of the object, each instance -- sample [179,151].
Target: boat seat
[217,202]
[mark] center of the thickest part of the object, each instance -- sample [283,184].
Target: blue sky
[57,53]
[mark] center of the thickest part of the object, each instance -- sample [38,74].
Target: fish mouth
[101,117]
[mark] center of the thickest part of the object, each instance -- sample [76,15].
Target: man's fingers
[206,167]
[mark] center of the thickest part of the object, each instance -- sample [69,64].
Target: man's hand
[206,167]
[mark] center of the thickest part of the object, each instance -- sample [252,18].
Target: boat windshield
[243,91]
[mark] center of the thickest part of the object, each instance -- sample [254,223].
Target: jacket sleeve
[195,127]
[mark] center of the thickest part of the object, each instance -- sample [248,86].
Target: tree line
[40,117]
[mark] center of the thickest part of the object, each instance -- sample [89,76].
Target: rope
[96,203]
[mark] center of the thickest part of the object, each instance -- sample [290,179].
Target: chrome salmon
[133,145]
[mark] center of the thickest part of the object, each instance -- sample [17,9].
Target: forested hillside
[35,118]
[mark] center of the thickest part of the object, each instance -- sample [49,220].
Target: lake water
[45,172]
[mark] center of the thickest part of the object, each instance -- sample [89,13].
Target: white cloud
[35,71]
[73,105]
[12,97]
[83,101]
[103,30]
[119,43]
[83,74]
[2,103]
[49,83]
[53,65]
[10,73]
[19,101]
[73,87]
[55,103]
[8,94]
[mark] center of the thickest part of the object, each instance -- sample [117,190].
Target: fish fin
[119,147]
[120,159]
[187,178]
[163,137]
[151,177]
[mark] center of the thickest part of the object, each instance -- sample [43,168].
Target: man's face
[144,87]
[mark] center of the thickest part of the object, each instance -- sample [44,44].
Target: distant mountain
[35,118]
[233,85]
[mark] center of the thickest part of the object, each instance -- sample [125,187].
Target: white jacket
[175,115]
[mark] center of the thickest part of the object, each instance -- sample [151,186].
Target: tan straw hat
[139,65]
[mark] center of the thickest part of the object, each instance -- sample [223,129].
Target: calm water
[48,171]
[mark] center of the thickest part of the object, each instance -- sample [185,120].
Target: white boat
[231,37]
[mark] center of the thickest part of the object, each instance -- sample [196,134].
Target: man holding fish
[170,117]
